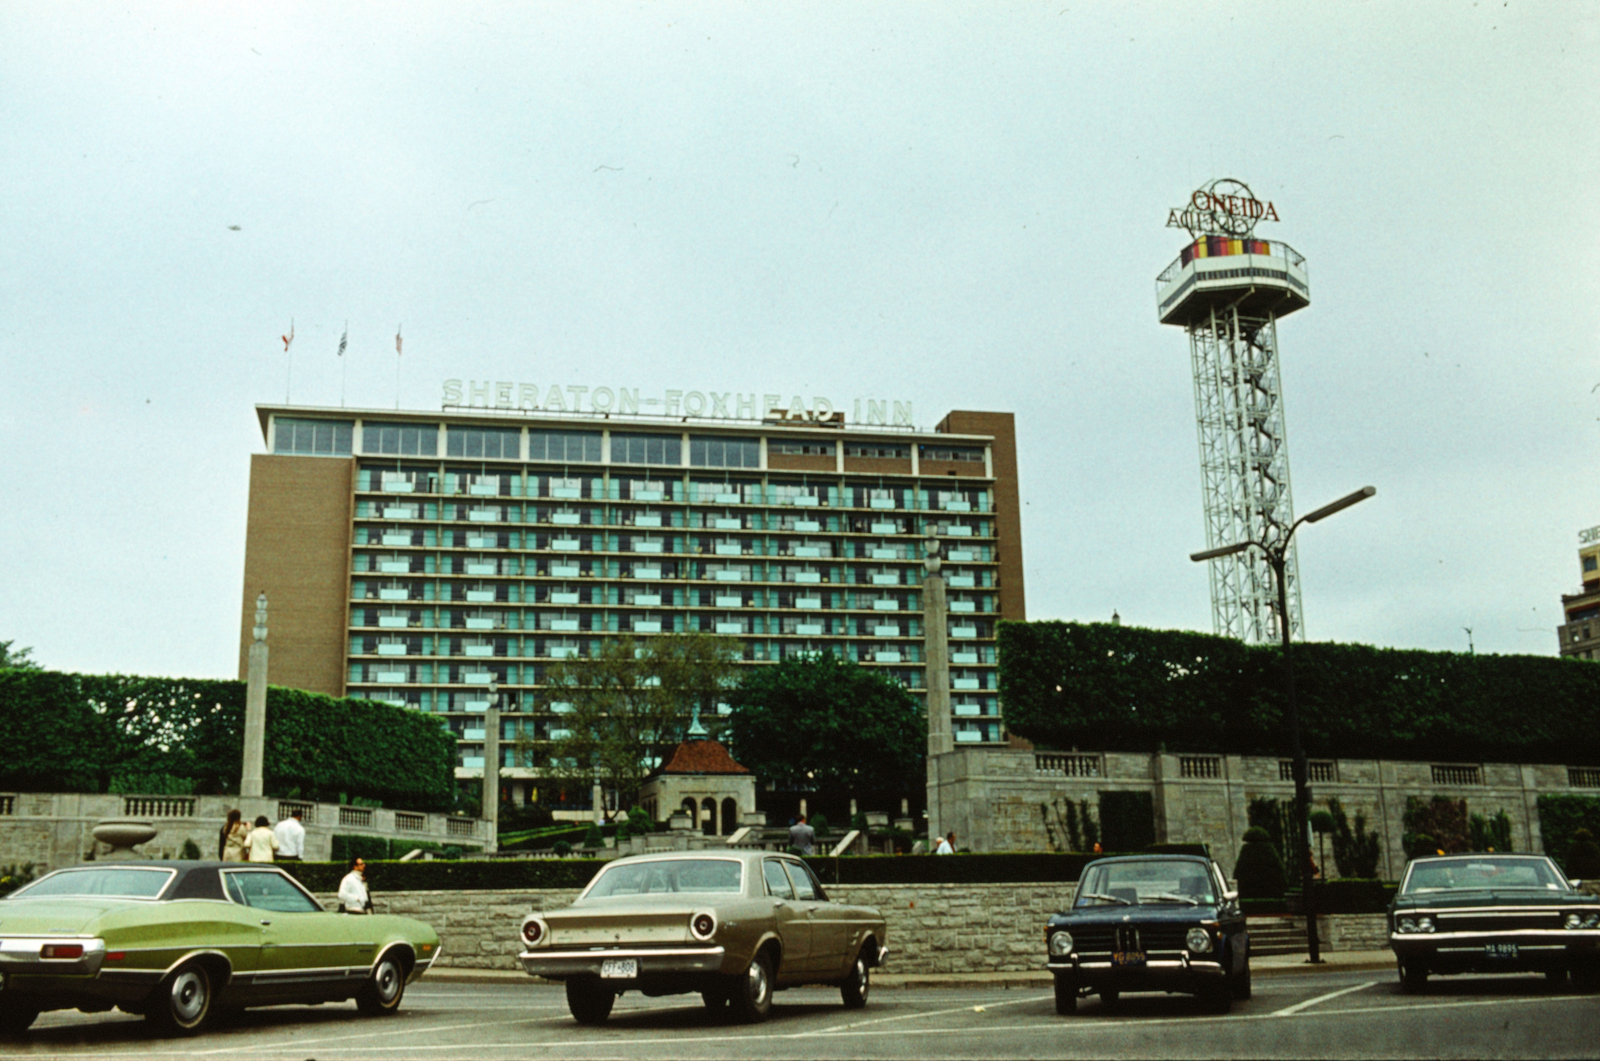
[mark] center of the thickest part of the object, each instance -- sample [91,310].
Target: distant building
[414,557]
[1580,634]
[702,780]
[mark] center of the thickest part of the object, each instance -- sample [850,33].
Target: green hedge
[1353,896]
[1119,688]
[1562,815]
[379,849]
[461,876]
[1019,867]
[102,733]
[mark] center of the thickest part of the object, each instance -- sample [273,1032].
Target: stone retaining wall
[933,928]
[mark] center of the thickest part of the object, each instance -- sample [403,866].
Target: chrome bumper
[652,961]
[1182,967]
[19,956]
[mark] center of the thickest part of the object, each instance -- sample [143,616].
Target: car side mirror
[1231,896]
[1575,883]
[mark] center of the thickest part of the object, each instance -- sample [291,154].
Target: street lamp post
[1276,552]
[491,769]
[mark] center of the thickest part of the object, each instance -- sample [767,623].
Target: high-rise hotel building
[414,557]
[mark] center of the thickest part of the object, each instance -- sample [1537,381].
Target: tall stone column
[936,657]
[255,706]
[491,770]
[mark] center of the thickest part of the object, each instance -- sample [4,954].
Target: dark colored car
[1493,913]
[1150,923]
[178,941]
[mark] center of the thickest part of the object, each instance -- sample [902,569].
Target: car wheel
[15,1017]
[751,994]
[182,1001]
[854,991]
[589,1001]
[1413,977]
[1239,983]
[1586,976]
[382,992]
[1066,994]
[1109,998]
[1217,997]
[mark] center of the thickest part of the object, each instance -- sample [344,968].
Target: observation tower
[1228,290]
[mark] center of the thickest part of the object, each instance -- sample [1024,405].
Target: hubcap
[758,982]
[387,981]
[188,996]
[862,983]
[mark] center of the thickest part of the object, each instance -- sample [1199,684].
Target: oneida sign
[710,404]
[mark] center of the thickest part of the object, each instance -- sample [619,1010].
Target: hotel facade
[416,557]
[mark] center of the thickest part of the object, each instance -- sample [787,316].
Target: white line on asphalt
[1289,1011]
[385,1031]
[935,1013]
[1445,1005]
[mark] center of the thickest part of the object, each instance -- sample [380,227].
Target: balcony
[650,573]
[559,570]
[807,526]
[730,602]
[646,600]
[813,604]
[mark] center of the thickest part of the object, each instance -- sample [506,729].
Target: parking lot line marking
[1448,1005]
[1289,1011]
[298,1043]
[934,1013]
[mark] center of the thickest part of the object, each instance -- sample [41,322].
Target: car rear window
[713,875]
[127,882]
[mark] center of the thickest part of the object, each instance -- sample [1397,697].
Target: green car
[179,941]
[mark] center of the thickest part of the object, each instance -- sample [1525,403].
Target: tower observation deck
[1228,290]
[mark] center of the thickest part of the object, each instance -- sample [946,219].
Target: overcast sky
[958,205]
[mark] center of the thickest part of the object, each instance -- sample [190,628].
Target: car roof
[1199,859]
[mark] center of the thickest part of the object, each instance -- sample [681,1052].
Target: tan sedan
[734,926]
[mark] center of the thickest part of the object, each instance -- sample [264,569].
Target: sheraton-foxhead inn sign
[718,405]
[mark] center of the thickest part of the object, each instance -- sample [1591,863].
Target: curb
[931,981]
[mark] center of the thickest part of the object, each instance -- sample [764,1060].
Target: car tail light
[534,931]
[703,925]
[61,951]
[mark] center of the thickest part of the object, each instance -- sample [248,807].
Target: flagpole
[344,370]
[288,380]
[397,367]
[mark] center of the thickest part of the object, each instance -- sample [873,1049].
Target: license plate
[619,969]
[1500,950]
[1127,957]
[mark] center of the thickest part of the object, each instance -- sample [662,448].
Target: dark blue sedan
[1150,923]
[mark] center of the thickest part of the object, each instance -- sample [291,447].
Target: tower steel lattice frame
[1244,468]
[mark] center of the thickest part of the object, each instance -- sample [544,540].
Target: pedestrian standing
[353,895]
[261,844]
[235,836]
[291,836]
[947,845]
[801,836]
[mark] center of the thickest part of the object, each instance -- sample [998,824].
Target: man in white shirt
[353,897]
[291,836]
[947,845]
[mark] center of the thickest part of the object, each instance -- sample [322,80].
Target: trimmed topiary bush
[1259,870]
[1583,856]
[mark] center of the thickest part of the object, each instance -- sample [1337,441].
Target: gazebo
[702,780]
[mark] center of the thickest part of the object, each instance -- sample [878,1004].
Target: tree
[18,658]
[629,705]
[1356,850]
[1259,870]
[822,723]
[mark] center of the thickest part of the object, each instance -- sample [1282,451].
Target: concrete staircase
[1278,934]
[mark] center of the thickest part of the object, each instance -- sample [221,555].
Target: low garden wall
[933,928]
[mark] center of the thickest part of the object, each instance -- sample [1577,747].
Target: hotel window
[408,440]
[799,448]
[321,438]
[564,446]
[646,449]
[952,453]
[493,443]
[1591,562]
[707,452]
[877,449]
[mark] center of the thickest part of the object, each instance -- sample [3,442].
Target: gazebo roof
[702,757]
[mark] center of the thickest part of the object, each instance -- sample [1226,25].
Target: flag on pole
[397,340]
[344,339]
[287,339]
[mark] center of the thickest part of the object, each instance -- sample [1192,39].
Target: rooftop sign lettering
[1224,207]
[707,404]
